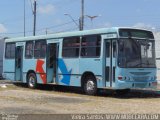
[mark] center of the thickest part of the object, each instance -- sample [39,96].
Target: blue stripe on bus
[63,68]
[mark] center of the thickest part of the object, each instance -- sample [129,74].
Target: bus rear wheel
[90,86]
[32,81]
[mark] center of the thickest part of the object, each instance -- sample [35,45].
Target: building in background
[157,41]
[1,56]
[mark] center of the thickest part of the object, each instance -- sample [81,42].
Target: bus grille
[140,73]
[140,85]
[141,79]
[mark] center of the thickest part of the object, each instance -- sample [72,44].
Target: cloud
[144,26]
[107,24]
[47,9]
[2,28]
[103,25]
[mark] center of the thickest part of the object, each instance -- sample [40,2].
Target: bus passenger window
[10,51]
[114,50]
[43,51]
[71,47]
[91,46]
[29,49]
[107,49]
[40,49]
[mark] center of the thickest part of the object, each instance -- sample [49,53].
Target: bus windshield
[136,53]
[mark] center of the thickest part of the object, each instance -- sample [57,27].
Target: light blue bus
[115,58]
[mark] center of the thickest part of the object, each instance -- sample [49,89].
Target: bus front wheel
[32,81]
[90,85]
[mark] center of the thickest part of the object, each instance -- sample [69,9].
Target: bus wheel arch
[31,79]
[89,83]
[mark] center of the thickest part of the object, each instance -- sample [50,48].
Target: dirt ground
[18,99]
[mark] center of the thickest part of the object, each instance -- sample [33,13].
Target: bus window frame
[100,46]
[41,40]
[32,49]
[71,47]
[134,38]
[10,58]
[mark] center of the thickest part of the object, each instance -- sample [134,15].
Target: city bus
[108,58]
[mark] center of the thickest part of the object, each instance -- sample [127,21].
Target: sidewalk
[6,82]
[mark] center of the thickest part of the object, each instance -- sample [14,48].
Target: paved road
[21,100]
[5,82]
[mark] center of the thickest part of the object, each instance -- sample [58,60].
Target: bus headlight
[154,83]
[123,78]
[155,77]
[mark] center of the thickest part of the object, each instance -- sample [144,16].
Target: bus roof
[69,34]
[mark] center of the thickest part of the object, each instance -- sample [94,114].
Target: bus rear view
[136,66]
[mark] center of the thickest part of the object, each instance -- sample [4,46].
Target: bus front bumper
[136,85]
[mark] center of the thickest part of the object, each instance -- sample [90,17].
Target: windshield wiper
[144,64]
[141,64]
[131,60]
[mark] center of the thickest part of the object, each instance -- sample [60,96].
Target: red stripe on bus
[39,69]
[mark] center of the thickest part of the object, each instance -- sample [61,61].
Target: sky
[51,18]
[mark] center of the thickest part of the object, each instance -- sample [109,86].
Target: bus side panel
[24,77]
[9,69]
[40,68]
[28,64]
[93,65]
[68,71]
[36,65]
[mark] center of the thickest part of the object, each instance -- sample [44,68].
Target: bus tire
[32,80]
[90,85]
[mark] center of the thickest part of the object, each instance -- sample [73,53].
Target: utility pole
[34,13]
[82,15]
[24,18]
[46,31]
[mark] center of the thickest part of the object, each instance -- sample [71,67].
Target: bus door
[52,62]
[18,63]
[110,62]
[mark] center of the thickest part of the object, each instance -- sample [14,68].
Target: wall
[157,38]
[1,55]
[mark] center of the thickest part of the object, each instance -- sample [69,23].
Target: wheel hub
[31,81]
[90,85]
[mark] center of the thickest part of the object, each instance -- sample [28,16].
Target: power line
[31,6]
[65,30]
[62,24]
[42,29]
